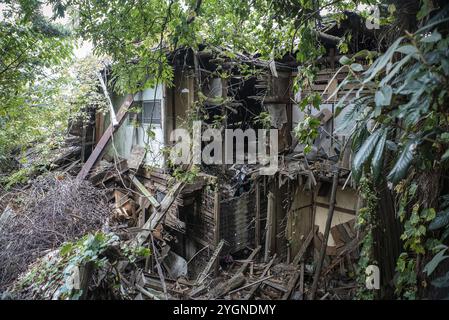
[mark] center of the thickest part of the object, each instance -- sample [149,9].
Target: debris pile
[53,209]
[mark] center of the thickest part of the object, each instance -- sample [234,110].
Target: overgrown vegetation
[59,274]
[406,114]
[55,209]
[401,118]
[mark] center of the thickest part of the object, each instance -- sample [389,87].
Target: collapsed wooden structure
[301,219]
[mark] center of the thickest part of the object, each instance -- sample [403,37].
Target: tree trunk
[387,242]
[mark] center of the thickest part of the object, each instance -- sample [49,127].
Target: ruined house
[280,214]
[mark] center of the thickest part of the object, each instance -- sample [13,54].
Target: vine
[366,224]
[415,220]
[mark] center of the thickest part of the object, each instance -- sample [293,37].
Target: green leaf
[441,282]
[425,9]
[364,153]
[66,248]
[403,163]
[345,60]
[383,96]
[407,49]
[377,160]
[357,67]
[395,70]
[382,61]
[440,221]
[433,264]
[445,156]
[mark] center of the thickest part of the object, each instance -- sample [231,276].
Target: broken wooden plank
[270,225]
[304,246]
[217,206]
[275,285]
[203,275]
[291,284]
[301,282]
[259,281]
[346,250]
[265,271]
[237,279]
[197,290]
[294,279]
[257,231]
[224,287]
[147,293]
[145,192]
[250,258]
[157,215]
[330,215]
[136,157]
[99,148]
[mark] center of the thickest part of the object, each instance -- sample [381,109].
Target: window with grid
[151,112]
[145,112]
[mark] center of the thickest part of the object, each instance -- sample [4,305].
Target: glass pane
[151,112]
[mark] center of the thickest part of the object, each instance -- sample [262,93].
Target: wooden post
[269,226]
[83,143]
[99,148]
[257,231]
[217,224]
[330,214]
[264,273]
[301,282]
[212,262]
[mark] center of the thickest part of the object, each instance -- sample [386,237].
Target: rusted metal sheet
[99,148]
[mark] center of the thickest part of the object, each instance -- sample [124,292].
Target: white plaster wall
[344,199]
[128,135]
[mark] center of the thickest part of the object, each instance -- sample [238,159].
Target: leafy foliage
[54,276]
[136,34]
[400,127]
[41,121]
[365,223]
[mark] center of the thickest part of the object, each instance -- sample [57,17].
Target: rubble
[213,232]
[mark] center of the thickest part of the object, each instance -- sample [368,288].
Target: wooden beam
[298,258]
[301,281]
[145,192]
[304,246]
[217,222]
[203,275]
[257,231]
[237,279]
[339,209]
[157,215]
[330,214]
[99,148]
[257,282]
[269,226]
[264,273]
